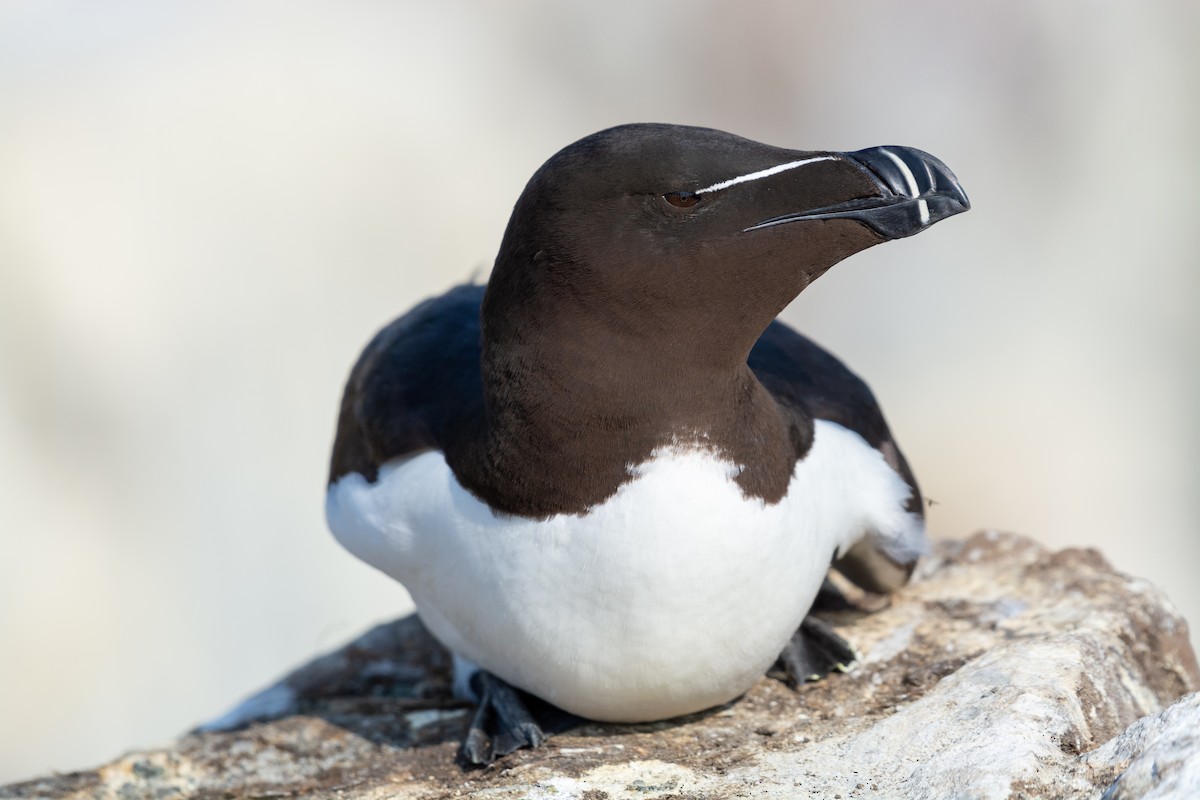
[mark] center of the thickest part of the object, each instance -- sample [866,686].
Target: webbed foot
[501,724]
[814,651]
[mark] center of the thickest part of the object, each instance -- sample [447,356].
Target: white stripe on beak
[766,173]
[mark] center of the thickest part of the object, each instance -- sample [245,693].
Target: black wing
[417,374]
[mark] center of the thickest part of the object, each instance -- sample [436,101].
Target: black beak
[915,191]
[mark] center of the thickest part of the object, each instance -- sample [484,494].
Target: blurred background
[207,209]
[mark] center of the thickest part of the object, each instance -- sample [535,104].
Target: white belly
[674,595]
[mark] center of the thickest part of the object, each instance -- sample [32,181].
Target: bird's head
[699,235]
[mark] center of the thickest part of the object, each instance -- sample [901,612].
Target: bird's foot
[502,723]
[831,598]
[814,651]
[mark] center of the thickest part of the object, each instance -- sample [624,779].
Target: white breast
[674,595]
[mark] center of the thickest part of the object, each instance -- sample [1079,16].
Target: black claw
[477,746]
[502,723]
[814,651]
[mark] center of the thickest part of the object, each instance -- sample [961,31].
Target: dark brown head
[694,238]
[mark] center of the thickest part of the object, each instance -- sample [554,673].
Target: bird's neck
[567,420]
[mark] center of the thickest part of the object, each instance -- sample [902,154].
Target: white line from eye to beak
[766,173]
[911,180]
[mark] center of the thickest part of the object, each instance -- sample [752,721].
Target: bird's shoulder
[805,378]
[413,378]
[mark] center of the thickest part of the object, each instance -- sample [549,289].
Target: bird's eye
[682,199]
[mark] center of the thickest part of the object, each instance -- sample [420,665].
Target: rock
[1157,757]
[1003,671]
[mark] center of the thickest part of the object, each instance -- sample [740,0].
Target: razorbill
[611,479]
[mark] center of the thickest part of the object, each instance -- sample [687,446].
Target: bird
[610,478]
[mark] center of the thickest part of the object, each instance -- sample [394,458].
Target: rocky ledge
[1003,671]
